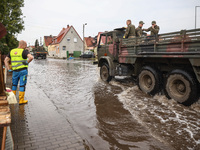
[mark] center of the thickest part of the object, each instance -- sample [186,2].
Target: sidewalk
[38,125]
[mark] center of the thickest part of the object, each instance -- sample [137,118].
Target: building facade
[90,43]
[66,43]
[47,41]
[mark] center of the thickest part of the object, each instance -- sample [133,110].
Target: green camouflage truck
[39,52]
[168,63]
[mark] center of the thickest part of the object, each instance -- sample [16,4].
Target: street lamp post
[84,36]
[196,16]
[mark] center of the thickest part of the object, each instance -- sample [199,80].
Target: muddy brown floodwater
[115,115]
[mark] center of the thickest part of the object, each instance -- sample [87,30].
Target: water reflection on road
[115,115]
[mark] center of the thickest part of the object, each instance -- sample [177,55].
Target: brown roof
[62,34]
[90,41]
[48,39]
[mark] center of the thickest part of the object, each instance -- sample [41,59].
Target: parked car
[87,54]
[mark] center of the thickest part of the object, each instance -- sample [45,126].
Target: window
[64,48]
[102,40]
[75,40]
[68,39]
[71,31]
[109,39]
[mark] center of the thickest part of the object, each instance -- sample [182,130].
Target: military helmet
[141,22]
[153,22]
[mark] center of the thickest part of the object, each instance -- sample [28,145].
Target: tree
[36,43]
[11,17]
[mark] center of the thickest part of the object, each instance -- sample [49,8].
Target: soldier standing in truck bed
[138,30]
[154,29]
[130,30]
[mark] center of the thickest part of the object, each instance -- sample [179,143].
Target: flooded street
[115,115]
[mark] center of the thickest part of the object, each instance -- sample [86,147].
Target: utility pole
[40,41]
[84,36]
[196,16]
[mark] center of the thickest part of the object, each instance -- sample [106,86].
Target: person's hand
[10,70]
[25,63]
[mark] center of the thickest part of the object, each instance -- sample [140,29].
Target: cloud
[49,16]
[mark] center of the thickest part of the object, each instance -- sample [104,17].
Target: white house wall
[71,46]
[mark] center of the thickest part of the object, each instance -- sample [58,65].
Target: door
[110,47]
[101,50]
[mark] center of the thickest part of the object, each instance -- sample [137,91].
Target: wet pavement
[71,108]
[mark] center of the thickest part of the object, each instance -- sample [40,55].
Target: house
[53,50]
[47,41]
[67,42]
[90,43]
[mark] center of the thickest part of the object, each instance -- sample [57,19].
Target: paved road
[38,125]
[71,108]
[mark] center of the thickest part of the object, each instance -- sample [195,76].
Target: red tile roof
[62,34]
[90,41]
[48,39]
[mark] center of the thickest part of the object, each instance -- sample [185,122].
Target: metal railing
[184,41]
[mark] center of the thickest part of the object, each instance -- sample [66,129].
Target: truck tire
[104,73]
[181,86]
[149,80]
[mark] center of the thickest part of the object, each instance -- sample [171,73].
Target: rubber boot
[21,98]
[14,92]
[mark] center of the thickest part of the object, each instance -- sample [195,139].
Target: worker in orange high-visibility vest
[20,58]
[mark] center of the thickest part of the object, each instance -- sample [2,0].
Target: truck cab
[108,51]
[109,44]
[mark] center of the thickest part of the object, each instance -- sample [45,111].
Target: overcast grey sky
[48,17]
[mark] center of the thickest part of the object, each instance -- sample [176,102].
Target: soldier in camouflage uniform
[154,29]
[138,30]
[130,30]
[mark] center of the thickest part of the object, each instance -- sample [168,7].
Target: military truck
[168,63]
[39,52]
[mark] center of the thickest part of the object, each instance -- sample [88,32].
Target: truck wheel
[104,73]
[181,86]
[149,80]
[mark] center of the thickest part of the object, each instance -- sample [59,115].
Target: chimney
[67,26]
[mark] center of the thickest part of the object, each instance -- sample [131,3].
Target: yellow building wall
[53,50]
